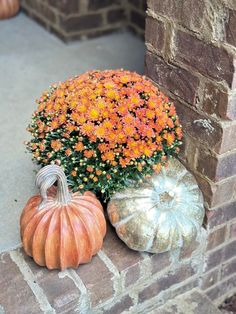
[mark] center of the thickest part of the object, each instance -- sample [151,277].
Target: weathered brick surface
[221,288]
[216,237]
[137,18]
[121,256]
[228,140]
[228,268]
[62,293]
[16,296]
[179,81]
[42,10]
[189,151]
[223,192]
[214,258]
[116,15]
[65,6]
[186,252]
[181,11]
[217,168]
[98,280]
[155,34]
[99,4]
[220,215]
[165,282]
[209,279]
[233,230]
[73,20]
[79,23]
[207,59]
[119,307]
[133,275]
[215,100]
[231,28]
[188,286]
[199,127]
[159,262]
[230,250]
[220,255]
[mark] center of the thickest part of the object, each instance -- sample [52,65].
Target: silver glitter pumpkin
[163,213]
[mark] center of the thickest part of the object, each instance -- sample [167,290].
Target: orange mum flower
[56,145]
[79,147]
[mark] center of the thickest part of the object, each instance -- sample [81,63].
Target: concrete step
[193,302]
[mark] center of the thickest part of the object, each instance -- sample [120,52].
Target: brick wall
[74,19]
[191,55]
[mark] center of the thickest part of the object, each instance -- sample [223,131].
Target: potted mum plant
[104,128]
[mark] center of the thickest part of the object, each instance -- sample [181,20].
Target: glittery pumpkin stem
[46,177]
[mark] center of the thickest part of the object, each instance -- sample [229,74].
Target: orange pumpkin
[8,8]
[60,229]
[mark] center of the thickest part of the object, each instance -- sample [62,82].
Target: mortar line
[30,279]
[107,261]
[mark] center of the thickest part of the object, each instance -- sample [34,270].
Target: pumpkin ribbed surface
[61,235]
[163,213]
[8,8]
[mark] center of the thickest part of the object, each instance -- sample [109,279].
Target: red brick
[221,288]
[132,275]
[229,250]
[228,140]
[209,279]
[41,9]
[137,18]
[214,259]
[119,307]
[215,101]
[192,283]
[231,110]
[223,192]
[217,168]
[229,268]
[181,11]
[188,151]
[219,101]
[62,293]
[165,282]
[206,187]
[233,230]
[116,15]
[200,127]
[100,4]
[207,59]
[97,279]
[221,215]
[154,33]
[186,252]
[159,262]
[79,23]
[121,256]
[65,6]
[216,237]
[16,296]
[179,81]
[230,28]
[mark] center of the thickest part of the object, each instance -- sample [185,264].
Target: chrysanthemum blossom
[105,128]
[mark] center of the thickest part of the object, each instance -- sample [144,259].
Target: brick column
[74,19]
[191,55]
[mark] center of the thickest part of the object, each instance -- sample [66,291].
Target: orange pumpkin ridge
[60,229]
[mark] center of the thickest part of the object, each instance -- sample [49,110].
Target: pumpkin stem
[46,177]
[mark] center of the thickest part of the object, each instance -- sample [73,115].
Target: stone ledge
[117,279]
